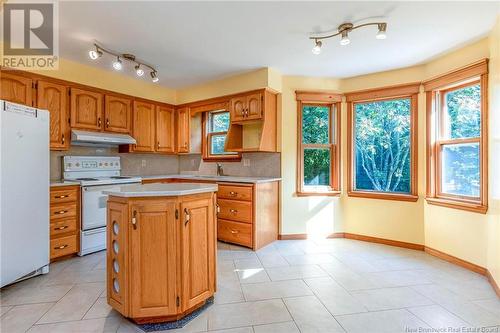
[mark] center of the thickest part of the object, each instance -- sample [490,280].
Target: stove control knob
[77,164]
[106,164]
[100,164]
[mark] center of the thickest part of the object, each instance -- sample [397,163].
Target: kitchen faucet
[220,171]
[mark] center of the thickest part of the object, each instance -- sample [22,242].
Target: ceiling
[194,42]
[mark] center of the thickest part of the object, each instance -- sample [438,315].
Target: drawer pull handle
[61,228]
[61,247]
[188,216]
[218,208]
[99,122]
[234,232]
[63,139]
[134,220]
[233,194]
[61,212]
[107,122]
[234,211]
[61,196]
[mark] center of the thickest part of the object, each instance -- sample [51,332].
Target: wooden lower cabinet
[161,255]
[248,214]
[64,221]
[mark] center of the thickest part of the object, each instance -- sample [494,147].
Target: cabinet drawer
[234,232]
[64,226]
[63,195]
[235,210]
[63,246]
[235,192]
[62,211]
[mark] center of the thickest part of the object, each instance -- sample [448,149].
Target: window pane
[317,166]
[463,113]
[460,169]
[217,144]
[219,122]
[315,124]
[382,146]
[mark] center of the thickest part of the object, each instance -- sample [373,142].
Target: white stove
[95,174]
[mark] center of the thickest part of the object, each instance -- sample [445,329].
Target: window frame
[333,102]
[438,87]
[207,140]
[410,91]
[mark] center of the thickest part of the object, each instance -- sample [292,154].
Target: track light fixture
[97,53]
[343,30]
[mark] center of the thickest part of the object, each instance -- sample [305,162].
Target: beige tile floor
[335,285]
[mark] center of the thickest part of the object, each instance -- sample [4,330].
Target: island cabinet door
[197,251]
[153,258]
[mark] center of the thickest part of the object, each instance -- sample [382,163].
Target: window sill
[474,207]
[318,194]
[383,196]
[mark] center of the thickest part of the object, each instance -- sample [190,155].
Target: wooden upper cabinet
[16,89]
[238,107]
[144,126]
[165,129]
[117,114]
[54,98]
[254,106]
[183,130]
[197,250]
[86,109]
[246,107]
[154,281]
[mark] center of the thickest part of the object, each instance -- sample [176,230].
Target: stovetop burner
[120,177]
[86,179]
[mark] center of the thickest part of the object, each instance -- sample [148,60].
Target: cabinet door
[238,108]
[16,89]
[254,106]
[117,111]
[86,109]
[144,126]
[183,130]
[165,129]
[54,97]
[197,251]
[153,281]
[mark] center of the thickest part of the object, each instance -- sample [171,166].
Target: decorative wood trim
[224,98]
[210,107]
[407,90]
[475,69]
[457,261]
[493,283]
[385,92]
[384,241]
[458,204]
[318,96]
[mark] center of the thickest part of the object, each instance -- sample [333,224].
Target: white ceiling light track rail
[139,66]
[343,30]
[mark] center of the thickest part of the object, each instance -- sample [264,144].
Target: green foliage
[382,139]
[219,122]
[315,130]
[464,112]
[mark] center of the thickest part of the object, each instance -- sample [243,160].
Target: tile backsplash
[251,164]
[132,164]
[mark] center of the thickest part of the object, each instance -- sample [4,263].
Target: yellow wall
[493,230]
[110,80]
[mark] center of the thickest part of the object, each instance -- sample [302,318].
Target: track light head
[138,70]
[317,47]
[95,54]
[381,34]
[117,64]
[154,77]
[345,38]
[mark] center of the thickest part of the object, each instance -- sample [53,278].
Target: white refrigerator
[24,192]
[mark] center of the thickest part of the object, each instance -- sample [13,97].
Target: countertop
[231,179]
[161,190]
[55,183]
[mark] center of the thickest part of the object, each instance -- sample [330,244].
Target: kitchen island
[161,250]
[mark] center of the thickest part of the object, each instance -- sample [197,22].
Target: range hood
[101,139]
